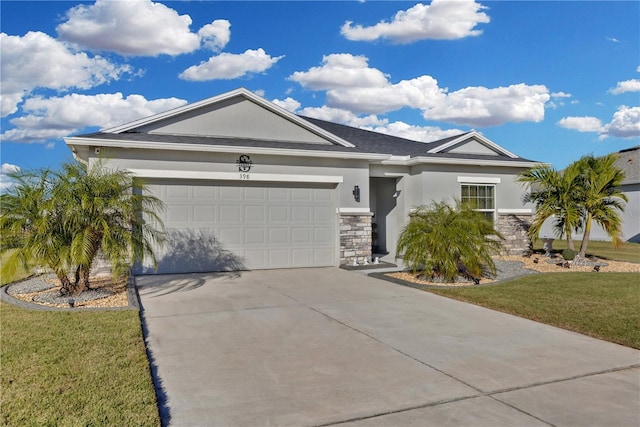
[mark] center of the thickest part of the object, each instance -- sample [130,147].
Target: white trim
[173,146]
[473,134]
[515,211]
[236,176]
[475,162]
[228,95]
[354,211]
[478,180]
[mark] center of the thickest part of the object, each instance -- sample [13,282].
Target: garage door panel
[230,214]
[255,213]
[204,213]
[323,256]
[301,214]
[257,194]
[250,226]
[232,237]
[230,194]
[278,194]
[322,235]
[254,236]
[278,235]
[278,214]
[302,257]
[178,192]
[322,214]
[301,195]
[204,192]
[178,213]
[279,258]
[300,235]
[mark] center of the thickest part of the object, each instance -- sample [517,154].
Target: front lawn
[601,305]
[74,368]
[626,252]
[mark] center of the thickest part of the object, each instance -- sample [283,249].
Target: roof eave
[168,146]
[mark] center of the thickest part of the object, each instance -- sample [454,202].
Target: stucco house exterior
[249,185]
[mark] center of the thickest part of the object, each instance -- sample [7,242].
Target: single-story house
[250,185]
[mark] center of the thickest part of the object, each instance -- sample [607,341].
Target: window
[481,198]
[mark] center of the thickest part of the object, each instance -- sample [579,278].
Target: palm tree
[32,227]
[443,242]
[555,194]
[110,212]
[601,198]
[65,219]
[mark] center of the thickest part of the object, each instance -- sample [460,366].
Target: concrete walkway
[314,347]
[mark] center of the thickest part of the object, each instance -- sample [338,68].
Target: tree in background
[79,214]
[555,194]
[586,191]
[443,242]
[601,198]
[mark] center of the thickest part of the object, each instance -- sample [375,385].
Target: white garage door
[227,227]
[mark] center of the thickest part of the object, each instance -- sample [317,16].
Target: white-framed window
[481,197]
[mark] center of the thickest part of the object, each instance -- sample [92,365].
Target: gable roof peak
[239,92]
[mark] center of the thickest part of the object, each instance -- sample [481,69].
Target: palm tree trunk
[585,237]
[65,283]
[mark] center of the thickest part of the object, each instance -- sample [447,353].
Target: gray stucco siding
[229,118]
[351,172]
[443,182]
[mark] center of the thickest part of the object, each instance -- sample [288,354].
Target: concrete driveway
[323,346]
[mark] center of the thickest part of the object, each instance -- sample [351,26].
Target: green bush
[443,242]
[568,254]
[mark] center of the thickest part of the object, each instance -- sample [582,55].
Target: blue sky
[550,81]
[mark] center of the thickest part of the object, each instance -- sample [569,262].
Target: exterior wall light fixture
[356,193]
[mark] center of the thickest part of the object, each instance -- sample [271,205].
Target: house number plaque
[244,166]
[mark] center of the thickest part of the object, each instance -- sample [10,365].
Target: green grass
[601,305]
[74,369]
[626,252]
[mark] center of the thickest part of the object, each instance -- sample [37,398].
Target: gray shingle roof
[629,162]
[365,141]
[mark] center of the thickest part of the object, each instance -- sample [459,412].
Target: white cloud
[57,117]
[632,85]
[38,60]
[582,124]
[216,35]
[352,85]
[288,104]
[480,106]
[228,66]
[416,133]
[625,123]
[442,19]
[340,70]
[5,181]
[138,28]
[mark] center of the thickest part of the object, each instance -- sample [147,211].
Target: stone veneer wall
[514,229]
[355,238]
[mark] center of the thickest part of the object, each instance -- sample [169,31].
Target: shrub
[569,254]
[445,242]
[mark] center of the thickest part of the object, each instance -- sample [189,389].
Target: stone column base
[355,238]
[515,230]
